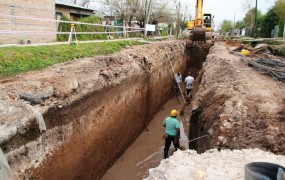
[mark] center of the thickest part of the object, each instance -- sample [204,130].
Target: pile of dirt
[237,105]
[229,164]
[232,43]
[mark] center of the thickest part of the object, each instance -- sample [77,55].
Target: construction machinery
[202,27]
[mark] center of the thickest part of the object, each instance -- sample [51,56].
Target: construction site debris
[229,164]
[37,97]
[270,62]
[278,74]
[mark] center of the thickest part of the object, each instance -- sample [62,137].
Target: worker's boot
[165,154]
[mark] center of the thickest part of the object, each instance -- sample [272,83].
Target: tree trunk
[130,20]
[284,31]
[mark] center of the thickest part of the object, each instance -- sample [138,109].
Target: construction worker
[178,78]
[177,83]
[207,22]
[189,80]
[172,132]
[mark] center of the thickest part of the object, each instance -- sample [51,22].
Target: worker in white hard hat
[172,132]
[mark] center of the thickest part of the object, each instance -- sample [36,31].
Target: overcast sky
[221,9]
[228,9]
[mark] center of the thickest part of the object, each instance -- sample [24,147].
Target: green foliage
[282,52]
[249,20]
[64,27]
[164,31]
[281,28]
[227,25]
[279,9]
[14,60]
[183,24]
[269,20]
[240,25]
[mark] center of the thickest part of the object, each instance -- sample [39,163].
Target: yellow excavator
[202,27]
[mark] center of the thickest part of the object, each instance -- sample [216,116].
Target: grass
[15,60]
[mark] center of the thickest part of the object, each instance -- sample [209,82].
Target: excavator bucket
[199,34]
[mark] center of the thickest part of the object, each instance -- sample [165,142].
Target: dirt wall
[238,106]
[94,109]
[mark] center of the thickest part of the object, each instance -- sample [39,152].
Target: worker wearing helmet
[172,132]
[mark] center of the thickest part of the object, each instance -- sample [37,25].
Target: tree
[270,20]
[240,25]
[128,9]
[124,9]
[227,25]
[279,9]
[250,22]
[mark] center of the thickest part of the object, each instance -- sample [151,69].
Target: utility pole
[145,19]
[178,20]
[147,14]
[234,28]
[255,24]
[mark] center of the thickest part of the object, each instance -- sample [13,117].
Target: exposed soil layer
[237,105]
[94,108]
[147,150]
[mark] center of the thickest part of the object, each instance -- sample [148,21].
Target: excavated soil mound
[237,105]
[206,166]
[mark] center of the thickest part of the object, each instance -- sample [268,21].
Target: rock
[227,125]
[33,99]
[224,117]
[222,139]
[223,129]
[260,45]
[210,131]
[37,98]
[36,84]
[21,129]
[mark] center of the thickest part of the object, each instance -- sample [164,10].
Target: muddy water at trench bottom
[147,151]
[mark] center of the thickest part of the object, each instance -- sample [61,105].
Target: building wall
[63,10]
[71,12]
[28,8]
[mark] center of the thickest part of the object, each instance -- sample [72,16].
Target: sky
[222,9]
[229,9]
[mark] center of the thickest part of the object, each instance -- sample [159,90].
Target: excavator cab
[208,22]
[203,32]
[209,25]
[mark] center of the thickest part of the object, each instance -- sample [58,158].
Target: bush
[281,28]
[65,27]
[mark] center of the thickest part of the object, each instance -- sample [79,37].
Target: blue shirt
[171,124]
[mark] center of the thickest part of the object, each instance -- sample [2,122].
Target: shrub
[65,27]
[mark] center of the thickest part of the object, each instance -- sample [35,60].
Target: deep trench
[129,166]
[74,160]
[196,128]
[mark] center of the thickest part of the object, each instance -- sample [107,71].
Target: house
[70,10]
[22,20]
[18,17]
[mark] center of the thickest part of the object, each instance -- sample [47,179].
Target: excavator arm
[197,25]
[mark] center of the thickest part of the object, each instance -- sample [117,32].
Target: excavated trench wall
[236,106]
[97,108]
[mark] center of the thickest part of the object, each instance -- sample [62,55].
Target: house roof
[63,3]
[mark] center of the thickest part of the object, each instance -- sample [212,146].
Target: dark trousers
[168,141]
[188,91]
